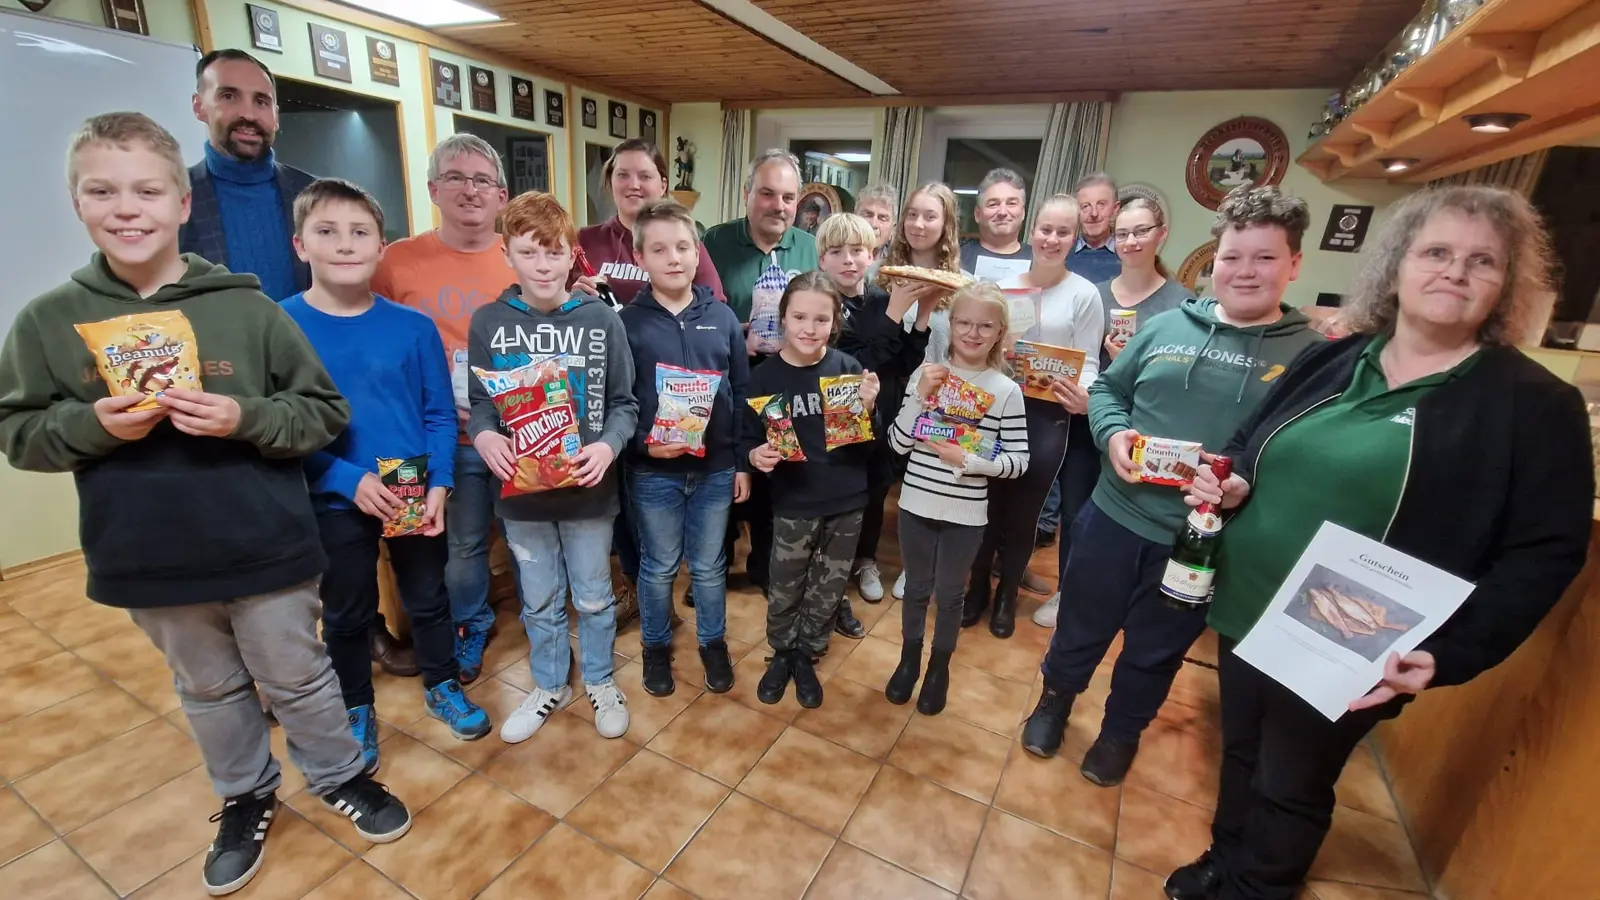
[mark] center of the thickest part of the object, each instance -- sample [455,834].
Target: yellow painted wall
[1152,134]
[701,123]
[170,20]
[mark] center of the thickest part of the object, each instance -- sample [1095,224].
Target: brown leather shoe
[395,657]
[1034,583]
[627,605]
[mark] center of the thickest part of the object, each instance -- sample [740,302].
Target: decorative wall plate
[1147,191]
[1242,151]
[1195,273]
[817,202]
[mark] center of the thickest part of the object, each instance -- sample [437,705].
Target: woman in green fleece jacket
[1190,374]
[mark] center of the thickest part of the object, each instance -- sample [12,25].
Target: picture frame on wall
[1246,151]
[647,124]
[529,162]
[619,119]
[266,31]
[1195,273]
[591,112]
[555,109]
[126,15]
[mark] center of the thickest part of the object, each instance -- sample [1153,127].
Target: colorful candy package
[774,412]
[953,413]
[683,406]
[145,353]
[845,419]
[1036,366]
[408,480]
[535,403]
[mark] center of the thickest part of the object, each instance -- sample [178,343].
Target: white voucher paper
[1348,603]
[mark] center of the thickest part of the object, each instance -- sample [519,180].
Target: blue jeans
[551,557]
[1050,515]
[678,516]
[469,527]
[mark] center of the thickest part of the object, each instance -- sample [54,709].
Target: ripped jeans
[552,557]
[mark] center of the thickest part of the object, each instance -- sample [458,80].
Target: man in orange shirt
[448,273]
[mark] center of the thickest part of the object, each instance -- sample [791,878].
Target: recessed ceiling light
[427,13]
[853,157]
[1398,163]
[967,192]
[1494,123]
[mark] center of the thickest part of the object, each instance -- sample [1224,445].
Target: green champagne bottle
[1186,583]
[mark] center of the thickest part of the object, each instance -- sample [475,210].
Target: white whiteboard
[53,75]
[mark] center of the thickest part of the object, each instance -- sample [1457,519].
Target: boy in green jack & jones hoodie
[207,437]
[1190,374]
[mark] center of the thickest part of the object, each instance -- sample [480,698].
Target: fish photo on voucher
[1352,615]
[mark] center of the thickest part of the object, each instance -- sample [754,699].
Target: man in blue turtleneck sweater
[243,197]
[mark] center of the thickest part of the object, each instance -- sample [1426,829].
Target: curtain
[1075,136]
[737,126]
[1520,173]
[901,144]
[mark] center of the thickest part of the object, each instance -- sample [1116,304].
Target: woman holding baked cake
[1372,432]
[1055,308]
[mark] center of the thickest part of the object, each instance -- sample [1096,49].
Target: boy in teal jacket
[1191,374]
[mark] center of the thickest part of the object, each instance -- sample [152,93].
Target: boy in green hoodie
[193,509]
[1192,374]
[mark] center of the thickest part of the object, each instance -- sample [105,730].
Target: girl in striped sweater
[944,501]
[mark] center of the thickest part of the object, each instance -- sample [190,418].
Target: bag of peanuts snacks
[144,354]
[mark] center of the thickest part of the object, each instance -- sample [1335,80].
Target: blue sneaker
[469,652]
[450,705]
[364,725]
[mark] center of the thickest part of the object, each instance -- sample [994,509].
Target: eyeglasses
[1480,266]
[984,329]
[456,181]
[1138,234]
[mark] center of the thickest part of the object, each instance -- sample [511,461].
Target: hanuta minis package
[845,419]
[774,412]
[1166,461]
[684,398]
[1037,366]
[535,403]
[144,354]
[408,480]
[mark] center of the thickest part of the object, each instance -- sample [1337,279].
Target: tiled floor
[716,797]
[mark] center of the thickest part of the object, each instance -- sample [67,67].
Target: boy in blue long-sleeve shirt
[389,363]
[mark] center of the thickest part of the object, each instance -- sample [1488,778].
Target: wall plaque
[555,109]
[647,125]
[266,33]
[330,53]
[381,63]
[591,112]
[1347,228]
[483,98]
[446,84]
[522,103]
[619,119]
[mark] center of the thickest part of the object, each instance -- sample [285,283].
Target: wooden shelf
[1536,57]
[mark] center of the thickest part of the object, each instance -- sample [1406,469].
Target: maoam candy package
[1037,366]
[144,354]
[953,413]
[535,403]
[1166,461]
[684,398]
[407,479]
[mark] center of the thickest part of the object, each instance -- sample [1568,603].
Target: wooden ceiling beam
[929,100]
[1512,51]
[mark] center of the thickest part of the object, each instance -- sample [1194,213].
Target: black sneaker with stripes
[236,854]
[379,816]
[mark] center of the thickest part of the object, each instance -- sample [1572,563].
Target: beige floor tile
[49,593]
[87,625]
[566,865]
[30,688]
[20,646]
[857,717]
[733,858]
[872,662]
[988,701]
[297,859]
[10,618]
[649,809]
[52,872]
[747,616]
[1362,786]
[123,655]
[814,780]
[475,814]
[397,700]
[510,644]
[1333,890]
[647,715]
[1129,882]
[67,729]
[81,788]
[358,881]
[1014,659]
[853,874]
[665,890]
[918,826]
[717,737]
[153,687]
[498,699]
[1364,849]
[956,754]
[1051,793]
[1160,833]
[413,772]
[560,765]
[20,830]
[1179,762]
[150,835]
[1018,860]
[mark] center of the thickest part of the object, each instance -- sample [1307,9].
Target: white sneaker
[1045,616]
[869,581]
[610,709]
[899,589]
[531,714]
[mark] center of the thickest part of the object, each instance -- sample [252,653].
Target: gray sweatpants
[220,653]
[938,558]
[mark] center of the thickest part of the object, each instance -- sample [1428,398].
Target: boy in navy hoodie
[682,495]
[388,362]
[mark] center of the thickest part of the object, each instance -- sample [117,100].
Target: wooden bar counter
[1499,779]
